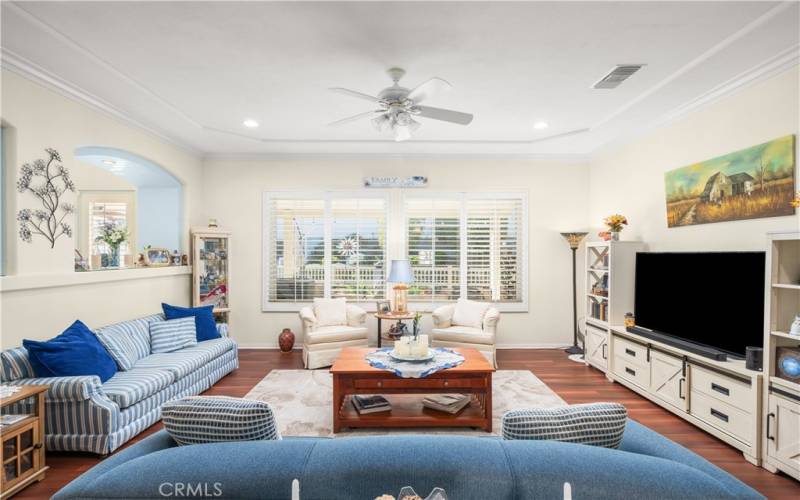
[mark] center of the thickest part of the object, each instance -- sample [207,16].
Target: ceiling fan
[398,106]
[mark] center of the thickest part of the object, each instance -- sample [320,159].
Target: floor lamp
[574,240]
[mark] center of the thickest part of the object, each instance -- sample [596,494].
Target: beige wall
[630,179]
[40,118]
[556,191]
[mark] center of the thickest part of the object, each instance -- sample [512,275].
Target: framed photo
[383,306]
[157,257]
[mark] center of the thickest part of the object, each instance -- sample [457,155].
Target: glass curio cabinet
[211,270]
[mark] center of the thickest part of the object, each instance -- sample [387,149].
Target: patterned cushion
[596,424]
[128,341]
[173,334]
[212,419]
[130,387]
[179,363]
[15,364]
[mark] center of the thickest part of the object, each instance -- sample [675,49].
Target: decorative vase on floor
[286,340]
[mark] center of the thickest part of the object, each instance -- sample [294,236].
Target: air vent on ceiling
[617,75]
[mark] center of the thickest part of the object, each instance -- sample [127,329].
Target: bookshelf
[781,411]
[610,267]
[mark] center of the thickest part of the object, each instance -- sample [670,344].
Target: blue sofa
[83,414]
[647,466]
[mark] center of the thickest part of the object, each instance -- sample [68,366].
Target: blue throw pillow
[77,351]
[203,319]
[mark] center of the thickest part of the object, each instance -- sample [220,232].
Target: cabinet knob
[446,383]
[380,384]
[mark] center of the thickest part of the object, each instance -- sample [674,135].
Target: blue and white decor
[83,414]
[218,419]
[443,359]
[595,424]
[172,335]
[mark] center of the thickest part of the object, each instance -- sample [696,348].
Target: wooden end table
[23,443]
[390,316]
[353,375]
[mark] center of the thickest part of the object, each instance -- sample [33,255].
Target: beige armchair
[321,344]
[448,333]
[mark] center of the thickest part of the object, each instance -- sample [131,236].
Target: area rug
[301,400]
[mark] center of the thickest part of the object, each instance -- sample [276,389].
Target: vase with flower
[615,224]
[113,236]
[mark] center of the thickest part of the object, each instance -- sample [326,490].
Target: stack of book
[11,419]
[370,404]
[448,403]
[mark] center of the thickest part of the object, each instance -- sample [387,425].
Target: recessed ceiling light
[109,162]
[250,123]
[540,125]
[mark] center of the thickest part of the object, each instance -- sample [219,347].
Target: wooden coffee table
[353,375]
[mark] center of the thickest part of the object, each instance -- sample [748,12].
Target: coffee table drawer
[425,383]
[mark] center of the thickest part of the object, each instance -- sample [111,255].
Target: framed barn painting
[748,184]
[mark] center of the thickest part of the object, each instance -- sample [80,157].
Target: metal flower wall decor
[48,180]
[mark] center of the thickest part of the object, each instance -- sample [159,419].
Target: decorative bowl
[412,359]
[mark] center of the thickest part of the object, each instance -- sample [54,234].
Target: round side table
[390,316]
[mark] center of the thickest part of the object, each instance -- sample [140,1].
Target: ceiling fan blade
[354,118]
[446,115]
[428,89]
[353,93]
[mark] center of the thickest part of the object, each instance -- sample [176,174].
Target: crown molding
[785,60]
[35,73]
[561,158]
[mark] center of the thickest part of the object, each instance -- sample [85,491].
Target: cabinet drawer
[718,386]
[632,371]
[722,416]
[428,383]
[630,351]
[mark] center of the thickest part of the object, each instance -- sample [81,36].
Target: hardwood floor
[574,382]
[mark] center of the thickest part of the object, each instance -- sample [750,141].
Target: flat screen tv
[713,299]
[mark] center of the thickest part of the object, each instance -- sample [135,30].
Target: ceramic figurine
[795,328]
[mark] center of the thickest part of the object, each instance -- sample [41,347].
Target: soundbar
[686,345]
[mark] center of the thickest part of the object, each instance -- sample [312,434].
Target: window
[467,245]
[434,248]
[99,210]
[323,245]
[103,215]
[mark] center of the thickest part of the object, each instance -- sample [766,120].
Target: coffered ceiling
[193,71]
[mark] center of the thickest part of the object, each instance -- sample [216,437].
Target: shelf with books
[610,267]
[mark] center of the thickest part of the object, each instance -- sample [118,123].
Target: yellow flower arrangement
[796,201]
[615,222]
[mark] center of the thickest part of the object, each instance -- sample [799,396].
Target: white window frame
[463,197]
[327,197]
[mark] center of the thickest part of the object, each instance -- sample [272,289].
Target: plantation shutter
[494,247]
[433,245]
[358,248]
[101,213]
[297,249]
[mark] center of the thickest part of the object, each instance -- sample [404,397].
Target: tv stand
[722,397]
[686,345]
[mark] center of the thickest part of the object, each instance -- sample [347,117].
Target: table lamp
[401,275]
[574,240]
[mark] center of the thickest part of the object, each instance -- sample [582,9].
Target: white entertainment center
[756,412]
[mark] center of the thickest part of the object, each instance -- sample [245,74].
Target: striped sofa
[84,415]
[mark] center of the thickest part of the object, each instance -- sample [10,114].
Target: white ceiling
[192,71]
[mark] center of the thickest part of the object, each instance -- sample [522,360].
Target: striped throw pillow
[596,424]
[128,341]
[173,334]
[214,419]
